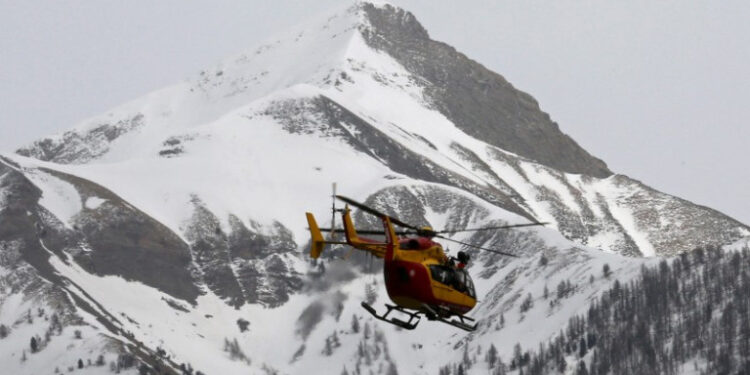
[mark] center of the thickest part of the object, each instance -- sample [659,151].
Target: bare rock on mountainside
[479,101]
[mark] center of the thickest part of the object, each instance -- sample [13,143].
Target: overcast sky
[658,89]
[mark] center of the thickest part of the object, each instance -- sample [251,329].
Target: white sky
[657,89]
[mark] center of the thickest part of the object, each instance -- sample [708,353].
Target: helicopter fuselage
[414,279]
[418,275]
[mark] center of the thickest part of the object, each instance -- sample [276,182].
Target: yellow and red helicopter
[419,277]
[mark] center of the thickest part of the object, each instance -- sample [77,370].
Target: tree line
[691,310]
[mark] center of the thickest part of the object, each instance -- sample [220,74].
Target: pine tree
[500,369]
[582,370]
[367,331]
[355,324]
[466,361]
[543,260]
[367,357]
[234,350]
[582,349]
[527,303]
[371,294]
[491,356]
[80,363]
[561,364]
[243,324]
[328,349]
[517,354]
[562,292]
[34,345]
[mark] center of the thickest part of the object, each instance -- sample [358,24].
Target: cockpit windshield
[456,278]
[468,283]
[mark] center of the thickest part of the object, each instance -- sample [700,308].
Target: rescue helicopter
[420,278]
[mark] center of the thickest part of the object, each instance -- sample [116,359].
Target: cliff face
[477,100]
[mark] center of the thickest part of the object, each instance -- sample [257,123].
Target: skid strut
[411,324]
[460,322]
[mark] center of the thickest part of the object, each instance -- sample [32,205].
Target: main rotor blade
[367,231]
[490,228]
[375,212]
[478,247]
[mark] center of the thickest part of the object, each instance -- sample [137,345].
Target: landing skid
[413,316]
[460,322]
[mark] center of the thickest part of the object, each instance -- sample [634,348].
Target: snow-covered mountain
[169,230]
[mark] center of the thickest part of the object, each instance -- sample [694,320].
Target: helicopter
[420,278]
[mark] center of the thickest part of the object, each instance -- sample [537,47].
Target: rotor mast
[332,237]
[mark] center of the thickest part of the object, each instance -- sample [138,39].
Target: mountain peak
[376,40]
[381,14]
